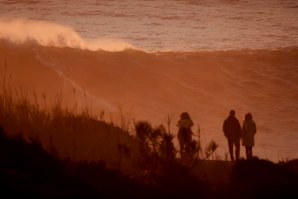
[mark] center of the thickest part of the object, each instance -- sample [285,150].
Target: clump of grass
[158,152]
[155,143]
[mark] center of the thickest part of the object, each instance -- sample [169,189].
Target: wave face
[154,85]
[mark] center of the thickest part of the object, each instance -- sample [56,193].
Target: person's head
[248,116]
[232,113]
[184,115]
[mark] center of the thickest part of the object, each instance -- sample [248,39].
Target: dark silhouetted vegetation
[146,165]
[28,170]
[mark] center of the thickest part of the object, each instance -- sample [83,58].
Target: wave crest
[51,34]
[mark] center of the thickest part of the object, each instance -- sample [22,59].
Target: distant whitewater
[45,33]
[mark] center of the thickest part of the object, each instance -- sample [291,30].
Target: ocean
[170,25]
[155,59]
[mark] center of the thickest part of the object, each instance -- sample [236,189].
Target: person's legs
[182,148]
[188,147]
[237,146]
[249,152]
[230,143]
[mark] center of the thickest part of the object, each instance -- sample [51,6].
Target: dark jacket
[232,128]
[249,130]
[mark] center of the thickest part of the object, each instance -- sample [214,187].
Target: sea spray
[49,34]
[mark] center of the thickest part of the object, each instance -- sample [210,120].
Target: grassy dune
[63,131]
[28,170]
[52,152]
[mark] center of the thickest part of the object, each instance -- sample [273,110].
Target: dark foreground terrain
[29,171]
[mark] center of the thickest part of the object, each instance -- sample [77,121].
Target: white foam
[52,34]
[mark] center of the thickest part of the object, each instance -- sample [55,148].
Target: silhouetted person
[248,133]
[184,134]
[232,131]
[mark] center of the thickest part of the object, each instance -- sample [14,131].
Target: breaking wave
[51,34]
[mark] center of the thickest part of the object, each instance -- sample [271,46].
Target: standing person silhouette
[184,135]
[232,131]
[249,130]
